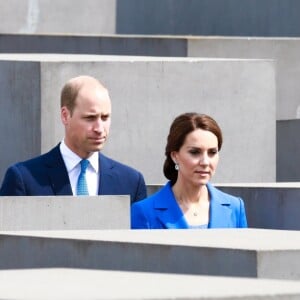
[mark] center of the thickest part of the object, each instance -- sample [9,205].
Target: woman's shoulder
[157,198]
[223,196]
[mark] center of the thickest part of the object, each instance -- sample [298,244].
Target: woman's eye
[213,152]
[194,152]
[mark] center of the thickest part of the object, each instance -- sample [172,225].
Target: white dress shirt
[72,162]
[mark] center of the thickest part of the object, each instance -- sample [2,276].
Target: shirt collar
[71,159]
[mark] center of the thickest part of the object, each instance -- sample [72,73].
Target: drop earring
[176,166]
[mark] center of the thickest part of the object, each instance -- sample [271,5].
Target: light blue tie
[81,183]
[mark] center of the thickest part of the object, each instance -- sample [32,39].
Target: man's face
[87,129]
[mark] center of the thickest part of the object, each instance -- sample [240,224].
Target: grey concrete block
[58,16]
[93,44]
[284,51]
[193,17]
[222,252]
[64,212]
[209,17]
[158,89]
[268,205]
[20,101]
[288,147]
[59,283]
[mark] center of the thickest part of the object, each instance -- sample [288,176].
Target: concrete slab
[268,205]
[60,283]
[287,166]
[285,51]
[223,252]
[199,17]
[146,102]
[64,212]
[94,44]
[57,16]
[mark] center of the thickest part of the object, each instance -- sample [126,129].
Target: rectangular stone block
[146,102]
[59,283]
[287,145]
[64,212]
[223,252]
[93,44]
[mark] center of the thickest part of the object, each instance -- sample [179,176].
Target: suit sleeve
[12,184]
[141,189]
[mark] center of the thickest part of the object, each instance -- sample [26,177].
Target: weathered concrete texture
[58,16]
[269,206]
[20,102]
[223,252]
[288,147]
[285,51]
[64,212]
[61,283]
[192,17]
[148,93]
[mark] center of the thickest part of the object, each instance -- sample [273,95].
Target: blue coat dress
[46,175]
[161,211]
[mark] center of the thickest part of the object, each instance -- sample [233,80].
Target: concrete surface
[61,283]
[58,16]
[64,212]
[146,102]
[268,205]
[288,145]
[285,51]
[192,17]
[94,44]
[224,252]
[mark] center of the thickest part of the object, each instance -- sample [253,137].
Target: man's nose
[98,126]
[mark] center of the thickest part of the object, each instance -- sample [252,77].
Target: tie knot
[84,164]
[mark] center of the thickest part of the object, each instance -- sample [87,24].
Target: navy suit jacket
[161,211]
[47,175]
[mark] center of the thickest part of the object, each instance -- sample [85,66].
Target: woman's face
[197,158]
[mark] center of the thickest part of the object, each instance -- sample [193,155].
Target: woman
[188,200]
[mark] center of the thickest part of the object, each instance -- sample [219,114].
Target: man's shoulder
[114,164]
[39,159]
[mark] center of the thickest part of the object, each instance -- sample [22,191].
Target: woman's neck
[189,193]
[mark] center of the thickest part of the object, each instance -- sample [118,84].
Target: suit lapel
[167,209]
[106,182]
[220,210]
[57,173]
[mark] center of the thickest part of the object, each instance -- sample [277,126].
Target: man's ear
[64,114]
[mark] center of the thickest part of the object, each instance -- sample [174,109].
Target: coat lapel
[220,209]
[57,173]
[167,209]
[106,182]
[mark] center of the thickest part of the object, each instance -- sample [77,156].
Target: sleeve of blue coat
[138,218]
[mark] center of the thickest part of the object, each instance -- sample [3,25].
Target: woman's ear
[173,155]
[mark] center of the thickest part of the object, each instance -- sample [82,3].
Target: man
[86,116]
